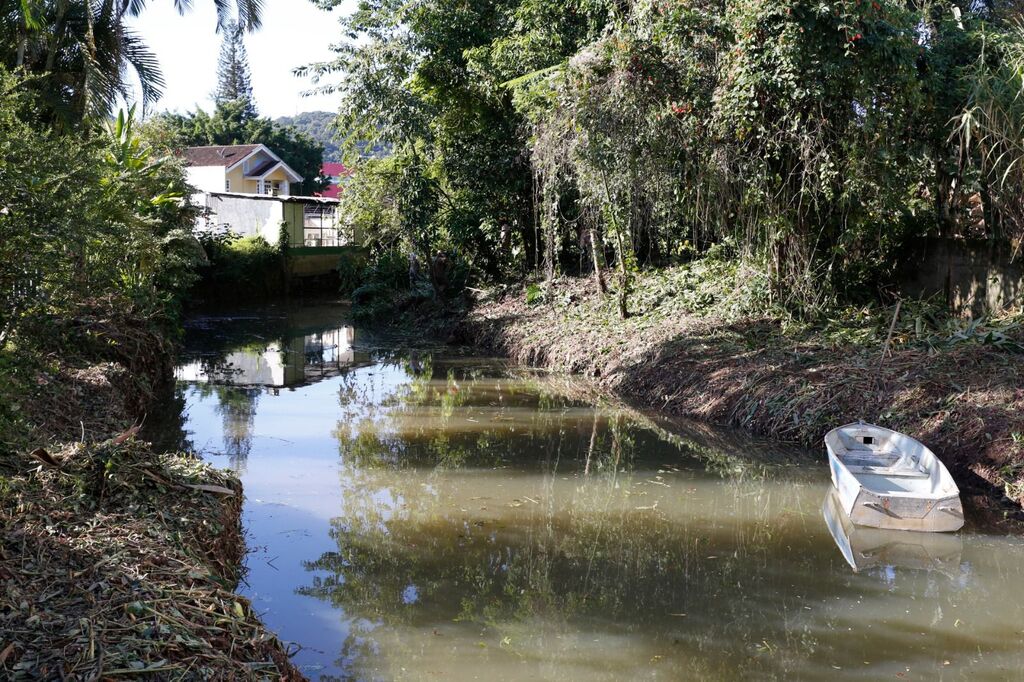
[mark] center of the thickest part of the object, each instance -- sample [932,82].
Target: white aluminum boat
[868,548]
[886,479]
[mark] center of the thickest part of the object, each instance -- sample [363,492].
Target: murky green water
[429,516]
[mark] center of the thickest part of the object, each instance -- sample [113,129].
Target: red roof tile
[332,170]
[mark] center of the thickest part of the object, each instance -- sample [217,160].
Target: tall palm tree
[247,13]
[80,55]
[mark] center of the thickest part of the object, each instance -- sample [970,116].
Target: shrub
[246,268]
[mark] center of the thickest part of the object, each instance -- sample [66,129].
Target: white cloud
[294,33]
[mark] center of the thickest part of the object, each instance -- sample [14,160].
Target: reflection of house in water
[292,362]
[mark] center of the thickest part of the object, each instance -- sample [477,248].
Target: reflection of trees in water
[552,562]
[743,588]
[237,407]
[552,568]
[165,424]
[453,416]
[740,584]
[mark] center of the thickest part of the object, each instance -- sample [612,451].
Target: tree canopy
[814,140]
[319,125]
[82,55]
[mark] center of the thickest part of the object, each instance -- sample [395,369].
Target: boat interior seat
[882,463]
[894,471]
[867,442]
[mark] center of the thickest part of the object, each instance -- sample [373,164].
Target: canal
[422,514]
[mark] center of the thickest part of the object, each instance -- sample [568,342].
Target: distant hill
[316,124]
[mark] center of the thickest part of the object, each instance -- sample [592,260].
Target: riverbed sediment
[965,402]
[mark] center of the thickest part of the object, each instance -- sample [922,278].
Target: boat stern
[907,513]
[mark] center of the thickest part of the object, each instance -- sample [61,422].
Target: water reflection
[237,376]
[421,516]
[889,550]
[288,362]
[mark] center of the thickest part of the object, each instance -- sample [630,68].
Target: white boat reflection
[865,548]
[279,364]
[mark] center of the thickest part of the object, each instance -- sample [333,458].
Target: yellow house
[239,169]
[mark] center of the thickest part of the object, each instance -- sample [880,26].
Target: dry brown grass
[116,561]
[114,564]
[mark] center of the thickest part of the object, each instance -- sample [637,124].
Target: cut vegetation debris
[116,562]
[963,398]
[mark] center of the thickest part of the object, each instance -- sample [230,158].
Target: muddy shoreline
[966,403]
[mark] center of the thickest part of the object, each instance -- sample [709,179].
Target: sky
[294,33]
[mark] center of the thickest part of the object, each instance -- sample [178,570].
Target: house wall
[255,161]
[293,216]
[280,176]
[237,181]
[206,178]
[247,217]
[221,179]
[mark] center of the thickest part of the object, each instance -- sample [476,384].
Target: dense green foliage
[96,247]
[94,232]
[95,218]
[818,138]
[240,269]
[458,177]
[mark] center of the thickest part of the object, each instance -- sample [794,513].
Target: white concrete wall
[244,368]
[247,217]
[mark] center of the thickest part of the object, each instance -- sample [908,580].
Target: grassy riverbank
[690,348]
[115,560]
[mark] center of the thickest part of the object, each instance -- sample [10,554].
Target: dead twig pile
[116,562]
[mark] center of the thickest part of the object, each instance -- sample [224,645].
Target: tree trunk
[550,219]
[943,190]
[597,254]
[620,243]
[624,284]
[992,227]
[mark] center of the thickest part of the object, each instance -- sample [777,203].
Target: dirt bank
[117,561]
[966,402]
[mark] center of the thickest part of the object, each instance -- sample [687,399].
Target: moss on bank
[965,400]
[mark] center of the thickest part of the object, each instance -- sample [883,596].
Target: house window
[320,227]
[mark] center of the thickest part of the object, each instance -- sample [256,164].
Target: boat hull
[865,507]
[866,548]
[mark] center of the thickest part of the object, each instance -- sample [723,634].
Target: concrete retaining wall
[976,277]
[318,261]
